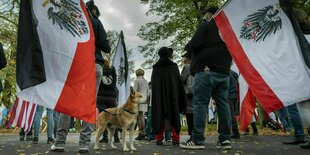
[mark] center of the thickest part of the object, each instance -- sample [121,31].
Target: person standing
[233,103]
[102,44]
[37,124]
[2,63]
[168,97]
[141,85]
[187,80]
[107,96]
[210,65]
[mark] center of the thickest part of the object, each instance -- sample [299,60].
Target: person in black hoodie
[2,63]
[168,97]
[210,65]
[107,96]
[102,44]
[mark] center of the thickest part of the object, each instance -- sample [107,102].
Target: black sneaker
[116,140]
[225,145]
[159,143]
[50,140]
[104,140]
[176,143]
[21,138]
[29,138]
[35,140]
[140,137]
[190,144]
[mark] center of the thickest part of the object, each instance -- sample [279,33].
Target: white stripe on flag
[23,114]
[272,67]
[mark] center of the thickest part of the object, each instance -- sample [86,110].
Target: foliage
[179,19]
[8,37]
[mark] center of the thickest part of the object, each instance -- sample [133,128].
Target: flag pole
[220,9]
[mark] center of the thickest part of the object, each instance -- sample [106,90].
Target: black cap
[165,52]
[212,10]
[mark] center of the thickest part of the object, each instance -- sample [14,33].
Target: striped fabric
[22,114]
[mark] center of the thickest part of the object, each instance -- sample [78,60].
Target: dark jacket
[233,85]
[2,57]
[101,40]
[168,95]
[107,94]
[208,49]
[185,74]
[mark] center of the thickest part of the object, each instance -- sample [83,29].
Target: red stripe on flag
[268,99]
[78,97]
[13,114]
[248,106]
[30,118]
[21,114]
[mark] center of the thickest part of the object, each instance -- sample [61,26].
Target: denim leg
[284,118]
[37,120]
[56,122]
[99,72]
[85,134]
[62,130]
[50,123]
[201,97]
[220,96]
[296,122]
[167,135]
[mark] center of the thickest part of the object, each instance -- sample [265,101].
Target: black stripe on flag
[304,44]
[29,59]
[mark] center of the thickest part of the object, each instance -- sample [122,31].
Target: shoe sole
[58,150]
[192,147]
[224,147]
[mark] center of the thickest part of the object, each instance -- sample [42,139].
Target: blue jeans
[56,121]
[296,122]
[206,85]
[284,118]
[37,122]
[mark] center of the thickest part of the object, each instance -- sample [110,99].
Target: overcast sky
[129,16]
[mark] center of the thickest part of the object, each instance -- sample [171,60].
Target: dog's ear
[132,92]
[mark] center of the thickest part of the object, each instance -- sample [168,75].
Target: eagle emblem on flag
[121,72]
[261,24]
[67,15]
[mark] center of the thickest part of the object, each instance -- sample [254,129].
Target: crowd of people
[206,76]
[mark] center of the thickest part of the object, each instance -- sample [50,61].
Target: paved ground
[262,145]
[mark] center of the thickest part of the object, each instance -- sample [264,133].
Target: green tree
[179,19]
[8,37]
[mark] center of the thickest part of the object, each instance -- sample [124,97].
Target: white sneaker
[83,150]
[225,145]
[57,148]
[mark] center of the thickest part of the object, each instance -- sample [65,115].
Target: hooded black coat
[168,95]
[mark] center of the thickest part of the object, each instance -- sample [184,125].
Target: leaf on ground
[156,153]
[191,152]
[46,152]
[224,152]
[20,150]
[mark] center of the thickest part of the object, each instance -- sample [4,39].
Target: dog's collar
[110,112]
[129,111]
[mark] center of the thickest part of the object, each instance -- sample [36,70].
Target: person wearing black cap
[101,44]
[210,65]
[168,97]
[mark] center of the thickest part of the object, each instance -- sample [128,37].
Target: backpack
[188,85]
